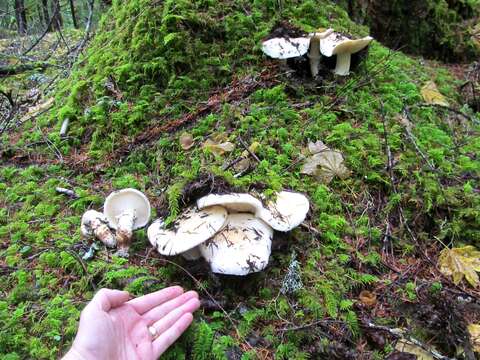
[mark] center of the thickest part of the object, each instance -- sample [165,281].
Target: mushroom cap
[127,199]
[286,48]
[190,229]
[232,202]
[241,248]
[86,223]
[336,43]
[286,212]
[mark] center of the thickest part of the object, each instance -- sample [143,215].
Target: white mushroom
[314,54]
[126,210]
[190,229]
[343,47]
[233,202]
[94,223]
[286,212]
[286,48]
[241,248]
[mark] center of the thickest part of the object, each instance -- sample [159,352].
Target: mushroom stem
[192,254]
[125,223]
[94,224]
[343,64]
[314,55]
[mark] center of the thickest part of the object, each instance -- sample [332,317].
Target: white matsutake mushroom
[95,224]
[242,247]
[234,202]
[126,210]
[287,48]
[343,47]
[287,211]
[190,229]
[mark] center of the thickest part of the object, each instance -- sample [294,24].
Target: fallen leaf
[186,141]
[316,147]
[218,148]
[325,166]
[474,331]
[460,262]
[431,95]
[367,298]
[409,347]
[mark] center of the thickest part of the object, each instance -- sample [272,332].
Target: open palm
[114,327]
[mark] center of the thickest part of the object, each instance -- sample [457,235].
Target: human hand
[114,327]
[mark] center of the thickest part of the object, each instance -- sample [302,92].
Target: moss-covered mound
[158,68]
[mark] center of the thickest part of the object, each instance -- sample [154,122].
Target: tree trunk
[21,17]
[72,11]
[57,15]
[46,15]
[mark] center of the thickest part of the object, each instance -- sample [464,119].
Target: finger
[146,302]
[160,311]
[163,342]
[107,299]
[172,317]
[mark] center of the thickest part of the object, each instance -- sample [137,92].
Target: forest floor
[371,285]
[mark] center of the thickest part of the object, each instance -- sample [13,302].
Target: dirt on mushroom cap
[190,229]
[241,248]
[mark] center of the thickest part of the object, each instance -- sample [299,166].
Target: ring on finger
[153,332]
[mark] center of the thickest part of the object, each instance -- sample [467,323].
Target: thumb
[107,299]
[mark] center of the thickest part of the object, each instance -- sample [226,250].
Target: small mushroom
[241,248]
[287,48]
[286,212]
[95,224]
[233,202]
[343,47]
[190,229]
[126,210]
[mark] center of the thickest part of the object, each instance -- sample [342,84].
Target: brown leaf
[186,141]
[460,262]
[367,298]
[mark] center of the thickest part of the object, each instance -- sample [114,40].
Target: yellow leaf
[460,262]
[218,148]
[474,331]
[431,95]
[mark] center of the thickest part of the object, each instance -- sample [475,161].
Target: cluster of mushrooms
[232,232]
[315,45]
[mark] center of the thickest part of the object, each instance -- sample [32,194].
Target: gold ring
[153,332]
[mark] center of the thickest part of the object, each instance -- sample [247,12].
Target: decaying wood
[8,70]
